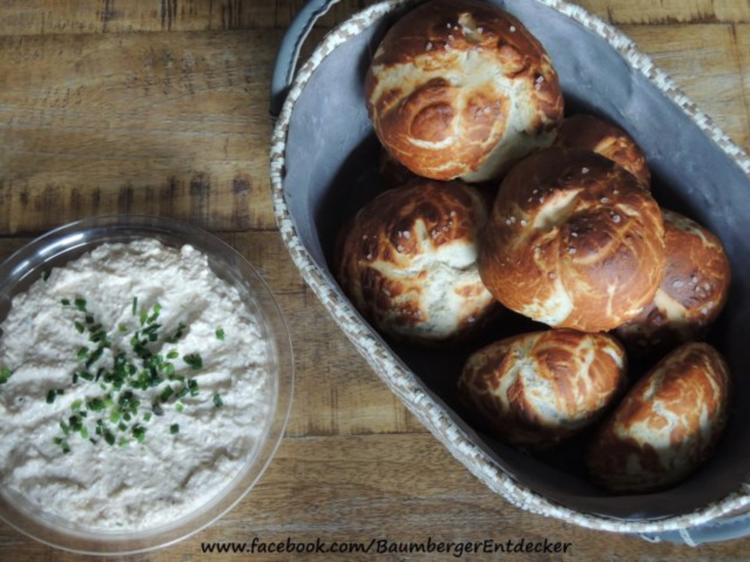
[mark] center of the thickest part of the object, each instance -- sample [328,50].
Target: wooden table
[108,106]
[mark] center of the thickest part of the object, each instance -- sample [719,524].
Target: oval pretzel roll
[573,241]
[408,261]
[607,139]
[461,89]
[536,389]
[692,293]
[666,425]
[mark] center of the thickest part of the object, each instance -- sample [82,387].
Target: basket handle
[291,44]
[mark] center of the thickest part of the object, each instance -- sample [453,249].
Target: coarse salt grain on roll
[667,424]
[606,139]
[692,293]
[538,388]
[461,89]
[408,262]
[573,241]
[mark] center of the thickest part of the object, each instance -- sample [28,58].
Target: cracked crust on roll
[667,424]
[408,262]
[573,241]
[461,89]
[604,138]
[536,389]
[692,294]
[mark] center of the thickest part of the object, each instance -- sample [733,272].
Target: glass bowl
[67,243]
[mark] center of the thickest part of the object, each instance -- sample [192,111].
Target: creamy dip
[134,383]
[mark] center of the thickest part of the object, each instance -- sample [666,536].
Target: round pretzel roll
[692,293]
[407,261]
[666,425]
[461,89]
[573,241]
[607,139]
[536,389]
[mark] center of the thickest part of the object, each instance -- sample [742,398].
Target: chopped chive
[65,302]
[5,374]
[79,327]
[179,406]
[139,432]
[76,405]
[46,273]
[220,334]
[154,314]
[193,387]
[95,404]
[144,316]
[218,402]
[122,327]
[82,353]
[174,428]
[173,354]
[51,395]
[84,432]
[80,304]
[194,360]
[147,417]
[135,305]
[166,394]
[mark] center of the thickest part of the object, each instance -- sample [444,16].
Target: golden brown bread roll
[666,425]
[408,261]
[573,241]
[460,89]
[607,139]
[692,293]
[537,388]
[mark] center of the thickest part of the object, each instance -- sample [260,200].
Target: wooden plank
[161,123]
[742,47]
[399,487]
[704,61]
[40,17]
[669,11]
[336,392]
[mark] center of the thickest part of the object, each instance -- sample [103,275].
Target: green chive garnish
[5,374]
[220,334]
[218,402]
[194,360]
[174,428]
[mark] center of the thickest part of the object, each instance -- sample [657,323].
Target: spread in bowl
[134,385]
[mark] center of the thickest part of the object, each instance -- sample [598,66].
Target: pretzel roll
[408,261]
[461,89]
[692,293]
[536,389]
[667,424]
[573,241]
[607,139]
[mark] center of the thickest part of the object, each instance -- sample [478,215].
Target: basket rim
[392,371]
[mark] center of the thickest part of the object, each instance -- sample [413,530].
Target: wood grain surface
[161,107]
